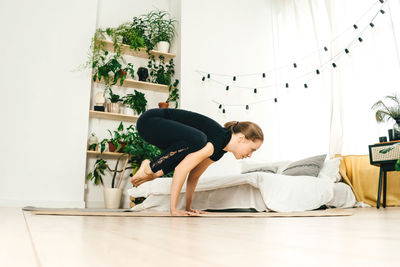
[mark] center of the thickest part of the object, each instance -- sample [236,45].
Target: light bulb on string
[372,25]
[276,100]
[287,85]
[255,90]
[355,26]
[294,65]
[220,106]
[325,48]
[360,39]
[263,75]
[208,76]
[382,11]
[305,85]
[203,79]
[234,78]
[381,1]
[317,71]
[347,51]
[247,107]
[334,65]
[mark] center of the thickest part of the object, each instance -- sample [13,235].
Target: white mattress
[258,190]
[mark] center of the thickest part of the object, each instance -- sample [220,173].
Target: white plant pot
[163,46]
[129,111]
[112,197]
[113,107]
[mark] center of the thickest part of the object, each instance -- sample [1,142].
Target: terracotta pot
[112,148]
[163,105]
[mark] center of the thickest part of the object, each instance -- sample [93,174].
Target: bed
[256,188]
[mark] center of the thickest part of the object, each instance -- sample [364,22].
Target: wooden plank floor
[370,237]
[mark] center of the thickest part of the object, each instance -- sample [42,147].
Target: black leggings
[175,138]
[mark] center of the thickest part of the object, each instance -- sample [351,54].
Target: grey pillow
[271,169]
[309,166]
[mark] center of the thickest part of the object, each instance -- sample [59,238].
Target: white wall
[44,109]
[227,37]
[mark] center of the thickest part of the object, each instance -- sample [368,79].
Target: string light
[203,78]
[317,71]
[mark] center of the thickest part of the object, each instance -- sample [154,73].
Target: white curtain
[334,113]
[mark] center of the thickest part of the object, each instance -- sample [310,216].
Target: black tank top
[216,134]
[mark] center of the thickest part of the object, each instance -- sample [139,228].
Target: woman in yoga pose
[190,143]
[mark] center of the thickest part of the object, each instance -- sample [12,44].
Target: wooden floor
[370,237]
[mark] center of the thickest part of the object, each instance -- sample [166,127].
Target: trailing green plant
[384,112]
[136,101]
[162,26]
[111,64]
[173,95]
[159,71]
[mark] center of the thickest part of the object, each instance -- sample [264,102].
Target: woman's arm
[192,180]
[181,171]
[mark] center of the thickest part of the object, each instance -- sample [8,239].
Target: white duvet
[258,190]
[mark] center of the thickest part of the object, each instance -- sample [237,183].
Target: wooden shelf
[126,50]
[141,85]
[109,154]
[112,116]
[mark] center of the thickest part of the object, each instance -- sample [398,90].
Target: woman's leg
[176,139]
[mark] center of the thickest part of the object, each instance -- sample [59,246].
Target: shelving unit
[107,154]
[112,116]
[142,85]
[126,50]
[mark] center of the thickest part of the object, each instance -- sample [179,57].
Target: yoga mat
[129,213]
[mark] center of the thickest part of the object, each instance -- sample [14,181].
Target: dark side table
[385,162]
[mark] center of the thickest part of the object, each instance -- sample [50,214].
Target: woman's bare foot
[144,174]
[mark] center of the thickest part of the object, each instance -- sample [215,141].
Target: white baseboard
[42,203]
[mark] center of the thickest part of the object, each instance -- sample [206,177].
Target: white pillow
[330,170]
[252,166]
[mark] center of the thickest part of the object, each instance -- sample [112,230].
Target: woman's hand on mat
[196,211]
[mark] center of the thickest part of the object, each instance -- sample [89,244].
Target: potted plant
[92,142]
[114,104]
[118,139]
[136,102]
[162,29]
[385,112]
